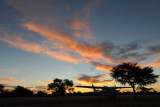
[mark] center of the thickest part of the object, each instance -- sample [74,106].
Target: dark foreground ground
[82,101]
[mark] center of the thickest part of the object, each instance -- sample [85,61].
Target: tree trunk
[134,91]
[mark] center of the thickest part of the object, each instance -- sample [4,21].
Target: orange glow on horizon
[96,83]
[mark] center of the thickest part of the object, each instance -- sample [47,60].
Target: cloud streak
[43,81]
[19,42]
[69,44]
[154,49]
[155,63]
[10,80]
[103,67]
[94,79]
[67,41]
[80,22]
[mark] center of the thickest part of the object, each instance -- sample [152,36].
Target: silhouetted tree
[21,91]
[133,74]
[71,90]
[41,93]
[1,89]
[8,93]
[59,86]
[146,90]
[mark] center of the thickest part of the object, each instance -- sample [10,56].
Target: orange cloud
[78,89]
[37,88]
[94,80]
[77,24]
[80,27]
[50,33]
[63,56]
[66,43]
[20,43]
[156,63]
[103,67]
[10,80]
[6,80]
[80,24]
[69,44]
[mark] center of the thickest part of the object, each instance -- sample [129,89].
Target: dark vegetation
[126,73]
[59,86]
[20,91]
[134,75]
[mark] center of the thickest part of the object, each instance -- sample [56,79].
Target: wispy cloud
[103,67]
[80,22]
[37,88]
[65,47]
[154,49]
[94,79]
[64,36]
[18,42]
[9,87]
[13,71]
[33,12]
[67,43]
[10,80]
[155,63]
[43,81]
[6,79]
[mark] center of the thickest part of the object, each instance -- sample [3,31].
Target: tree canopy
[133,74]
[21,91]
[1,88]
[59,86]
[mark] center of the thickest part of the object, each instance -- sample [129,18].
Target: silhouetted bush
[41,94]
[59,86]
[22,92]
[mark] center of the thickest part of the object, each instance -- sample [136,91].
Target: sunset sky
[76,39]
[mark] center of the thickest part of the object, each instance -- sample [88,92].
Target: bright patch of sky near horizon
[77,28]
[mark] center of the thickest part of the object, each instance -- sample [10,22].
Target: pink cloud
[43,81]
[10,80]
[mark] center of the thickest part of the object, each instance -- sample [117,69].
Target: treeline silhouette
[125,73]
[20,91]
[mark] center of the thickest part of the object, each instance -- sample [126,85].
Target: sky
[80,40]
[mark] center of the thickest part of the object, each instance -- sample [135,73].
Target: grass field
[82,101]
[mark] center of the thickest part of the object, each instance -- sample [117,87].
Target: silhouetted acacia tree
[59,86]
[21,91]
[133,74]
